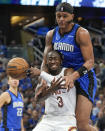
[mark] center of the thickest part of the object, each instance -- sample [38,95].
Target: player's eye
[50,59]
[56,59]
[64,16]
[59,16]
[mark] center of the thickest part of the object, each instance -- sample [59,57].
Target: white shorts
[56,123]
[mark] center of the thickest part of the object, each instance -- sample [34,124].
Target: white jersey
[59,110]
[62,102]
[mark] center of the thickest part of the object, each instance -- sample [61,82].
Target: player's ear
[72,17]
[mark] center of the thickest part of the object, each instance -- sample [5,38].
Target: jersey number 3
[60,101]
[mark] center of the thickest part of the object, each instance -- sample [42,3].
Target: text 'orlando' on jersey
[68,47]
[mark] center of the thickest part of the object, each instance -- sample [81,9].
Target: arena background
[23,27]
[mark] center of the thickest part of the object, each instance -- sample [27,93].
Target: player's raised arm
[48,47]
[83,38]
[84,42]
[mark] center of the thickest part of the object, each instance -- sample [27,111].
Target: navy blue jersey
[68,47]
[12,113]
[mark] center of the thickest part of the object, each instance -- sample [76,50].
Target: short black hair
[65,7]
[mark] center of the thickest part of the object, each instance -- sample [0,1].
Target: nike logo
[85,72]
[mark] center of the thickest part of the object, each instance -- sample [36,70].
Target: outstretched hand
[42,88]
[57,84]
[33,71]
[45,91]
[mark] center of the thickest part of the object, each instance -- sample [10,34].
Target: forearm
[82,70]
[89,64]
[47,77]
[22,126]
[43,95]
[44,67]
[75,75]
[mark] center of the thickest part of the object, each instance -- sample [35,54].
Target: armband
[82,71]
[47,77]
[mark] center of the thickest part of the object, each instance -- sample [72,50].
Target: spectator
[101,122]
[3,59]
[26,123]
[95,111]
[34,119]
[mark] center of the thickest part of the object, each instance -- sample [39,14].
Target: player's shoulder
[50,33]
[82,31]
[6,96]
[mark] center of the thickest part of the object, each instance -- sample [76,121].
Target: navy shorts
[87,85]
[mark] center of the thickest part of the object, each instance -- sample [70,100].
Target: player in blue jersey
[74,42]
[11,105]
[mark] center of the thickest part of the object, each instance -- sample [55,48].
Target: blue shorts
[87,85]
[9,129]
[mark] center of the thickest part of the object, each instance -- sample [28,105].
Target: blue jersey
[12,113]
[72,58]
[68,47]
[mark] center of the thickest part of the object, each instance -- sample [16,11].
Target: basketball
[17,67]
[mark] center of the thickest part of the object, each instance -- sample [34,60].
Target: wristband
[82,71]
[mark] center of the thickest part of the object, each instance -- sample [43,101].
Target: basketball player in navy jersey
[11,105]
[74,42]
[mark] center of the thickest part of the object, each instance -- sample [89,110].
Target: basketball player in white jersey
[59,102]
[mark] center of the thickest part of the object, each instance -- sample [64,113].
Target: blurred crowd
[32,111]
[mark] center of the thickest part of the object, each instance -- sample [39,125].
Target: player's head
[64,14]
[13,82]
[54,60]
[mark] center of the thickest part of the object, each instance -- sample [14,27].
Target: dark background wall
[6,11]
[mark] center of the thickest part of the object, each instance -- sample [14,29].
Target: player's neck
[66,29]
[14,90]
